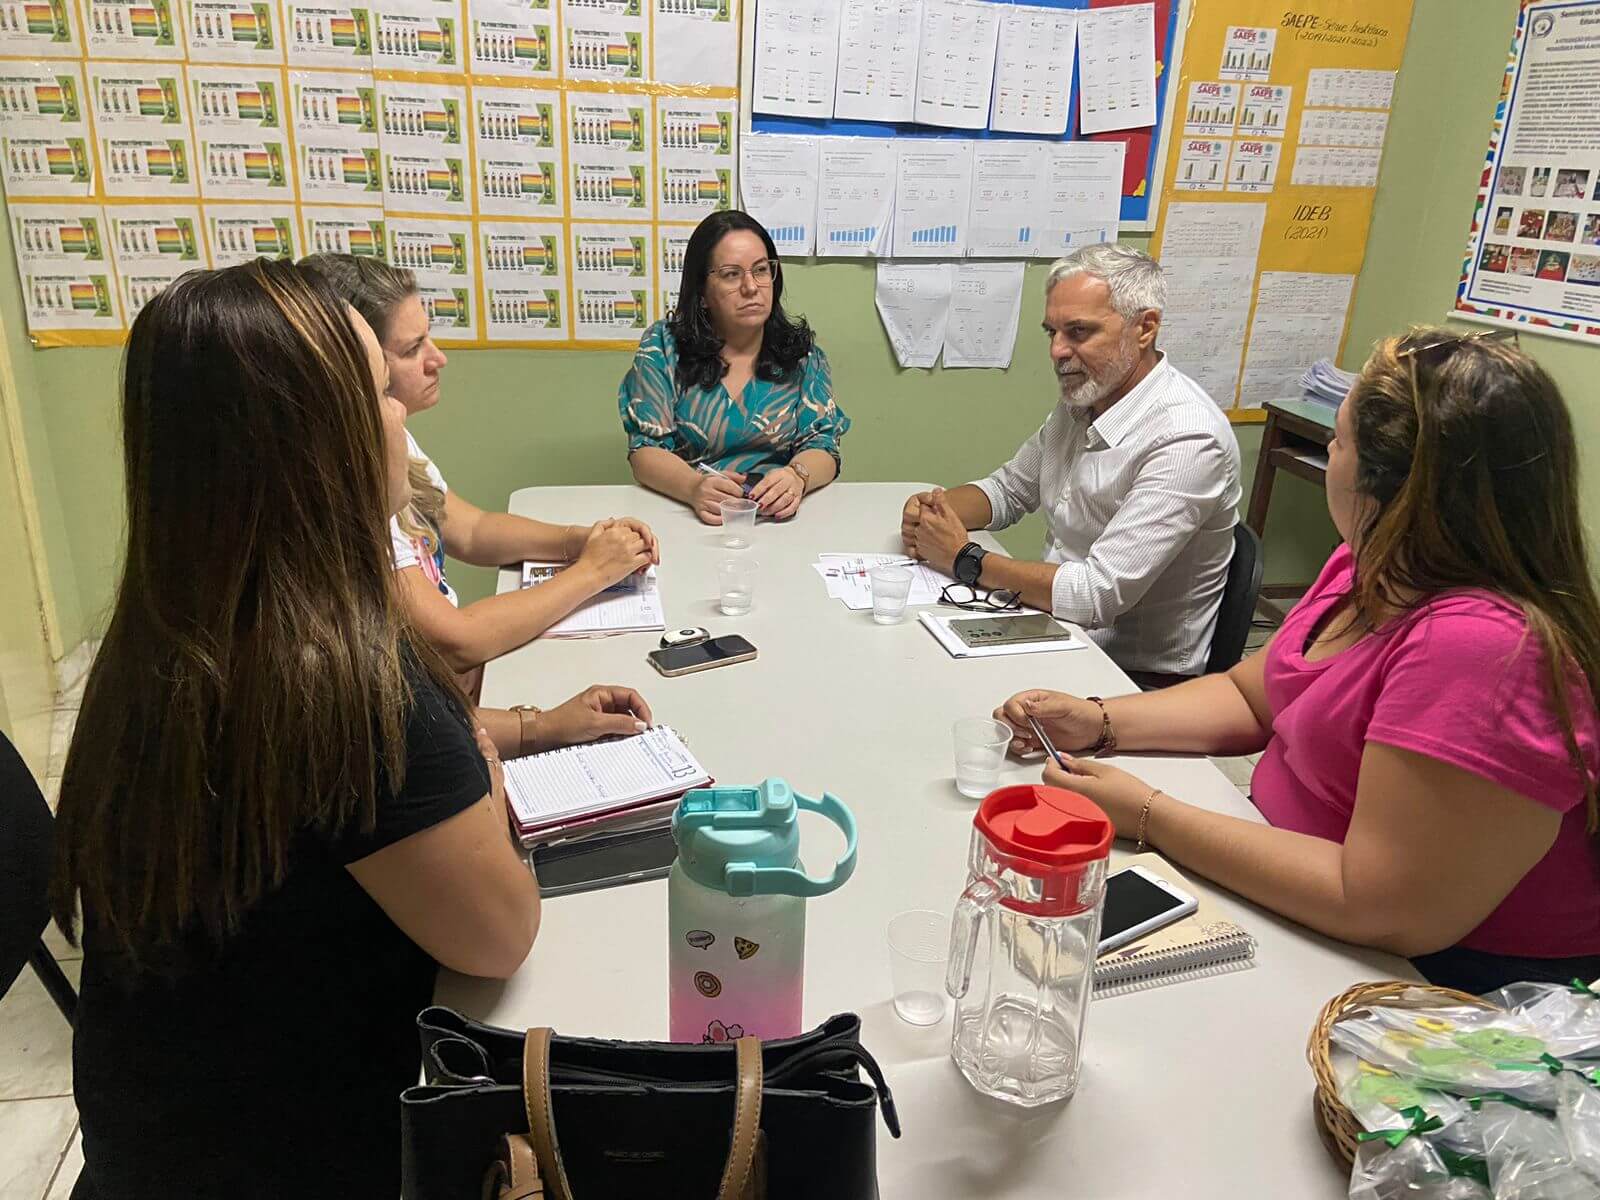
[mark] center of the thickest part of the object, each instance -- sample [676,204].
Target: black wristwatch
[969,564]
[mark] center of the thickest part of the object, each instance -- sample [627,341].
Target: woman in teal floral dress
[729,395]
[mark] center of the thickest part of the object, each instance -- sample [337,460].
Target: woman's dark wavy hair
[785,342]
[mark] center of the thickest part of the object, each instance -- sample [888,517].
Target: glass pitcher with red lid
[1023,942]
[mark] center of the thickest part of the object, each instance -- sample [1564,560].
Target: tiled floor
[38,1121]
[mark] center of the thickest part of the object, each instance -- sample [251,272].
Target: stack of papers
[1325,383]
[847,578]
[631,606]
[947,637]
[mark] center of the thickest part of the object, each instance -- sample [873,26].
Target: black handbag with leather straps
[643,1119]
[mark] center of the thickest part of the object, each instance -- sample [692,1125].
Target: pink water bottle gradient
[736,910]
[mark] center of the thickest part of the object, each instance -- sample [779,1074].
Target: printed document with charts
[631,606]
[846,578]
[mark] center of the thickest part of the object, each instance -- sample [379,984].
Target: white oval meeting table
[1197,1089]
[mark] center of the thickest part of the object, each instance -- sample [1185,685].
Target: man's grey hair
[1135,279]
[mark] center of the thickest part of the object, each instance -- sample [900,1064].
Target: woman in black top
[274,814]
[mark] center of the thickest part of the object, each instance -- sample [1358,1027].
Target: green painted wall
[61,536]
[515,418]
[27,683]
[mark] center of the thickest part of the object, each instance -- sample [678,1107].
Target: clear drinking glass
[738,523]
[890,587]
[980,752]
[736,585]
[919,944]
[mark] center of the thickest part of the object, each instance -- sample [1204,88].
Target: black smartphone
[702,656]
[604,860]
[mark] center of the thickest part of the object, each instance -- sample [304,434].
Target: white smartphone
[1137,903]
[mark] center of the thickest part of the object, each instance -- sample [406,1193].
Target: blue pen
[1049,746]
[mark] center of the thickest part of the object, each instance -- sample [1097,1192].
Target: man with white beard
[1136,472]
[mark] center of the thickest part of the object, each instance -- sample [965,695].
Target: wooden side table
[1294,440]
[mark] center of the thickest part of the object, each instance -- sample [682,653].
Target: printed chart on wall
[1090,74]
[1272,170]
[539,164]
[1533,259]
[957,130]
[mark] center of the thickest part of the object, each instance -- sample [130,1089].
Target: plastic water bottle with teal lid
[736,909]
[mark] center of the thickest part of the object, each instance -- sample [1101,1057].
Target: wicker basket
[1335,1123]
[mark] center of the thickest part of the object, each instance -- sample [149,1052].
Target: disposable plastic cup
[980,752]
[919,940]
[738,523]
[736,585]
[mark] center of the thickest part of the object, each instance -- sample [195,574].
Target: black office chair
[27,841]
[1239,596]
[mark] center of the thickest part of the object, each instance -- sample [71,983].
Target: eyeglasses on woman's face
[730,277]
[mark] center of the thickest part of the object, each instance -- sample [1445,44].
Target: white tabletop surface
[1199,1089]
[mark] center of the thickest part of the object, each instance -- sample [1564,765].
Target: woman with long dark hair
[1428,711]
[276,816]
[730,395]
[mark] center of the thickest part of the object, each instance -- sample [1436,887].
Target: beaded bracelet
[1108,736]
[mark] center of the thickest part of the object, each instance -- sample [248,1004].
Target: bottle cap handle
[747,879]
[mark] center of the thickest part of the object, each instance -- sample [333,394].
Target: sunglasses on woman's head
[1433,351]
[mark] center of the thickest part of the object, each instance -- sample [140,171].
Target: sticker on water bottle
[707,984]
[717,1032]
[700,939]
[745,948]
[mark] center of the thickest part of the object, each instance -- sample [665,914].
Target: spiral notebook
[562,787]
[1201,945]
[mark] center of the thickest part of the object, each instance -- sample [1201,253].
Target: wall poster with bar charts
[538,163]
[1271,176]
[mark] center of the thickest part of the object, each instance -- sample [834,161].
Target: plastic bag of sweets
[1463,1050]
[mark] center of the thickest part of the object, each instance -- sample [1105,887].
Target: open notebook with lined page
[562,786]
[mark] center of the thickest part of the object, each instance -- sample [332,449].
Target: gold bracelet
[1108,736]
[527,714]
[565,538]
[1144,820]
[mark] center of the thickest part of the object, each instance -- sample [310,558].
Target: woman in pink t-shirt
[1428,712]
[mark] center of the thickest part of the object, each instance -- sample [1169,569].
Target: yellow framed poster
[1272,169]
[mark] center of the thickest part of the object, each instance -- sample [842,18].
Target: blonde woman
[440,522]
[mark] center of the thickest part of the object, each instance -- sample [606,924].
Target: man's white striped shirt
[1140,506]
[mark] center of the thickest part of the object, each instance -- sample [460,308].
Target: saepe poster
[1278,133]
